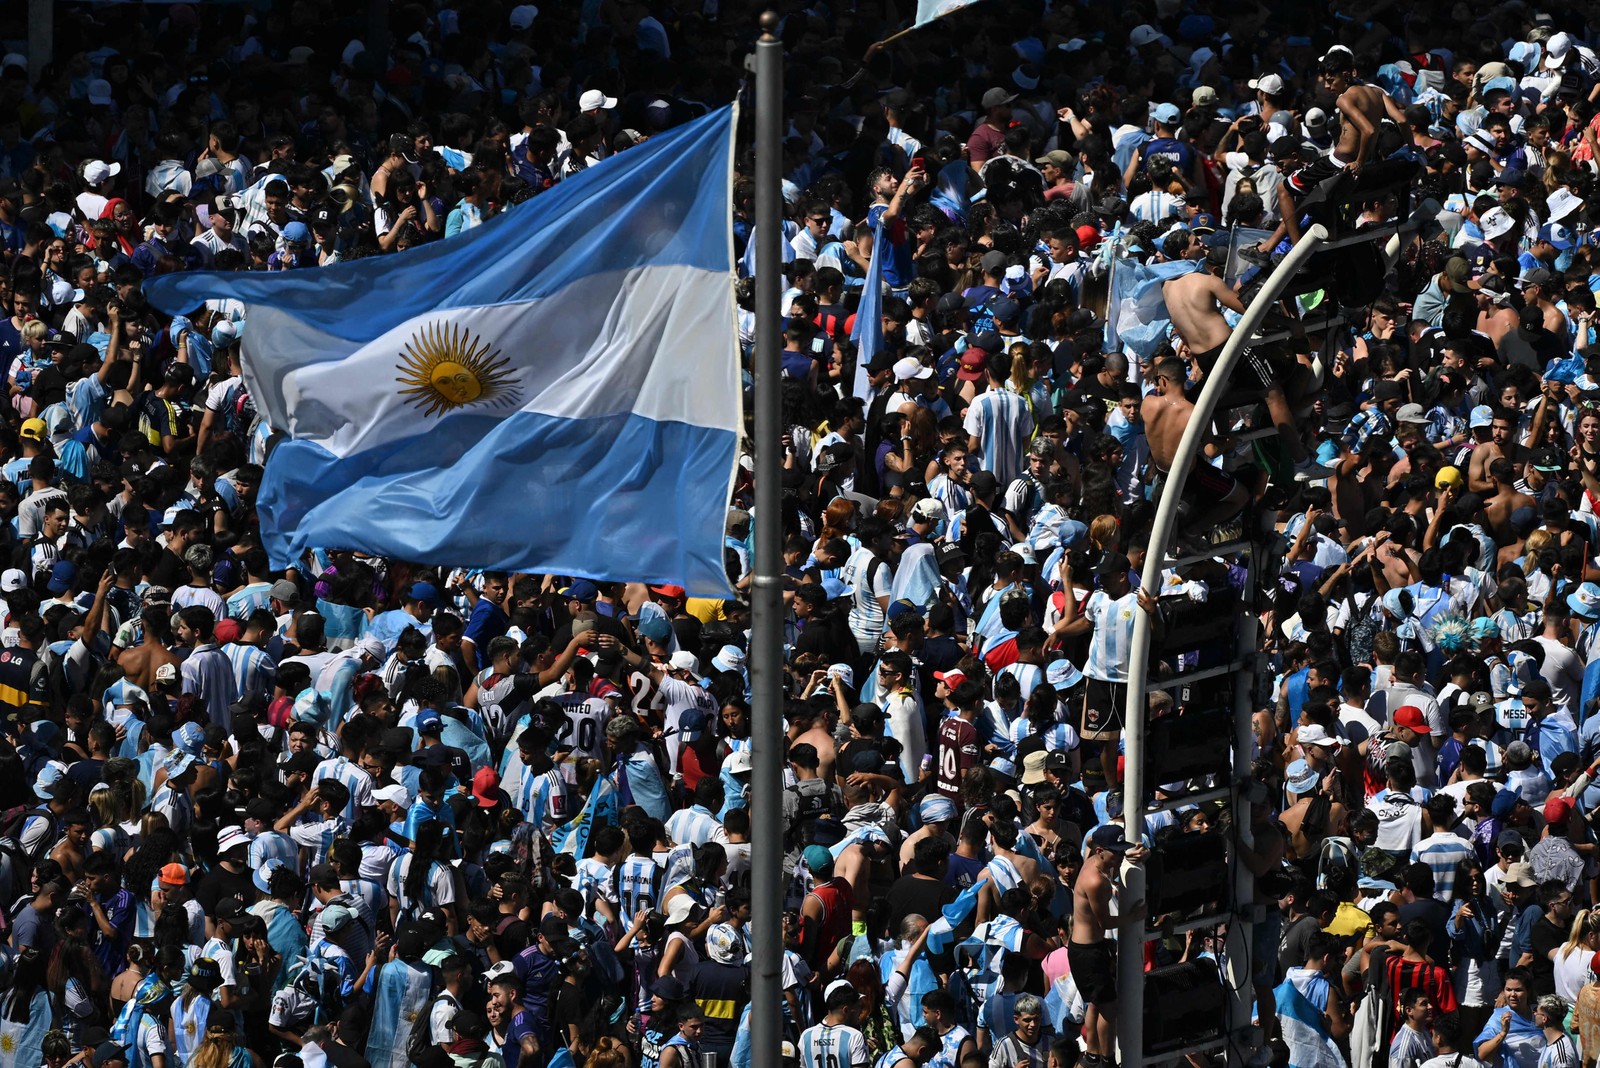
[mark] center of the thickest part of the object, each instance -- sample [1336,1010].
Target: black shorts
[1312,175]
[1102,710]
[1094,970]
[1251,371]
[1208,485]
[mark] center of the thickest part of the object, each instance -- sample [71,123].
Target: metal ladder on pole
[1168,1034]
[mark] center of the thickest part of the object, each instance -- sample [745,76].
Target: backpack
[1337,862]
[421,1039]
[11,824]
[812,802]
[240,414]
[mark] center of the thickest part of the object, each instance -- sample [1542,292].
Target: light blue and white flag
[572,837]
[867,334]
[1136,315]
[554,391]
[928,10]
[1300,1023]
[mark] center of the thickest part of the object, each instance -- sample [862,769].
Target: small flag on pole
[928,10]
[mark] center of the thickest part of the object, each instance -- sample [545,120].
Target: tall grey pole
[1130,933]
[766,604]
[41,36]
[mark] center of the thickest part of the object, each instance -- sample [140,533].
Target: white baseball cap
[97,171]
[395,795]
[1271,84]
[1556,50]
[12,580]
[522,16]
[594,99]
[100,93]
[682,660]
[909,367]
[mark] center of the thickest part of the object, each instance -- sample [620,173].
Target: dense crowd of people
[360,811]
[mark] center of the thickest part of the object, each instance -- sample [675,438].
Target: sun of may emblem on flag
[445,366]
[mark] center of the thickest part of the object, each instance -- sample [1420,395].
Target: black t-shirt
[170,571]
[1545,937]
[566,1009]
[1296,942]
[910,895]
[1434,913]
[220,883]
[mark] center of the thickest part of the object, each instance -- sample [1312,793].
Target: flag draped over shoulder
[1136,315]
[556,390]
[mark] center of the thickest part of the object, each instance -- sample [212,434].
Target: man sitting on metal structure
[1195,302]
[1363,109]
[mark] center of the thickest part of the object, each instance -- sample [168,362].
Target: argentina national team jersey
[586,723]
[1112,642]
[830,1046]
[638,884]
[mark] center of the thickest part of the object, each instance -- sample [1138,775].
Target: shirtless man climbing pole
[1217,496]
[1195,302]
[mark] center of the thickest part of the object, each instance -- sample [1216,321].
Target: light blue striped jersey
[1443,853]
[1003,423]
[253,670]
[1112,642]
[638,884]
[695,825]
[833,1046]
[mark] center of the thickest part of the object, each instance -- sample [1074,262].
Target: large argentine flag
[556,390]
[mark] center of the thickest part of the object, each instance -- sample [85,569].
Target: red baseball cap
[1411,718]
[485,787]
[668,591]
[1557,810]
[226,631]
[972,364]
[952,678]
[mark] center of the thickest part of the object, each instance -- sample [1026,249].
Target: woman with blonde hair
[1572,959]
[111,804]
[220,1049]
[1105,534]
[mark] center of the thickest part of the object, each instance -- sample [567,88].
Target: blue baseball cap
[297,233]
[61,576]
[426,592]
[656,629]
[1559,236]
[429,721]
[581,590]
[1166,114]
